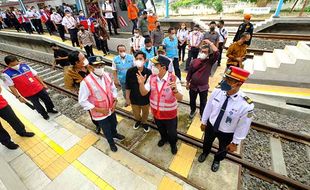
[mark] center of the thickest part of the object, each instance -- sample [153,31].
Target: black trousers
[134,25]
[115,19]
[192,54]
[61,31]
[97,41]
[220,53]
[224,140]
[27,27]
[16,24]
[35,100]
[111,22]
[203,99]
[8,115]
[37,24]
[49,26]
[176,67]
[108,126]
[182,51]
[168,130]
[104,46]
[89,50]
[73,36]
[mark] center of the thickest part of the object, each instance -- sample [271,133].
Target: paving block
[168,184]
[37,149]
[73,153]
[88,140]
[56,168]
[46,158]
[194,129]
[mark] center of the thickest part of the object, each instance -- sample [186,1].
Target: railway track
[54,81]
[281,36]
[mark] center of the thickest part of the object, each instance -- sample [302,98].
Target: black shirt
[61,53]
[132,84]
[244,28]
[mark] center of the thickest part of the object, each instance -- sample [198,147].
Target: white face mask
[136,35]
[173,35]
[99,71]
[96,25]
[202,56]
[148,48]
[155,70]
[16,67]
[85,62]
[123,54]
[139,63]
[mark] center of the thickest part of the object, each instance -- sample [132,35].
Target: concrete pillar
[167,8]
[277,13]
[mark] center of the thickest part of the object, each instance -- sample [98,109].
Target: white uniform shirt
[30,14]
[84,93]
[69,22]
[195,39]
[55,17]
[107,7]
[236,119]
[160,83]
[223,34]
[137,43]
[182,34]
[9,82]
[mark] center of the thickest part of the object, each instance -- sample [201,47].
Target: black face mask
[158,27]
[82,30]
[212,29]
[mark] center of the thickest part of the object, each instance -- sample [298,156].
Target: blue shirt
[122,65]
[171,47]
[149,54]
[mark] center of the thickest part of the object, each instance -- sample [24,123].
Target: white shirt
[223,34]
[29,14]
[182,34]
[9,82]
[137,43]
[107,7]
[84,93]
[55,17]
[236,119]
[69,22]
[195,39]
[160,83]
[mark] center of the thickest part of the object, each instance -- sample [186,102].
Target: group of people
[150,79]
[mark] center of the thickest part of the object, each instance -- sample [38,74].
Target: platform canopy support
[277,13]
[22,5]
[167,8]
[80,4]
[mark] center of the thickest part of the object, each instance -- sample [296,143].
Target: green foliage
[216,4]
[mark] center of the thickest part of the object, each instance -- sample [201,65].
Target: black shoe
[202,157]
[11,145]
[113,147]
[137,125]
[174,149]
[52,111]
[117,34]
[161,143]
[192,114]
[27,134]
[119,137]
[46,117]
[146,128]
[98,130]
[215,166]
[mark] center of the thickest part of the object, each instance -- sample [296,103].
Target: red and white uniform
[97,92]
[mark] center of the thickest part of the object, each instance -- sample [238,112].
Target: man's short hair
[221,22]
[140,53]
[73,57]
[170,29]
[120,45]
[147,40]
[9,59]
[244,34]
[212,22]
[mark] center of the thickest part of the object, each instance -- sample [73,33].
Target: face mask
[107,2]
[212,29]
[151,14]
[83,30]
[123,54]
[225,86]
[99,71]
[96,25]
[16,67]
[85,62]
[69,15]
[139,63]
[54,12]
[136,35]
[158,27]
[81,14]
[183,27]
[195,31]
[155,70]
[148,48]
[173,35]
[202,56]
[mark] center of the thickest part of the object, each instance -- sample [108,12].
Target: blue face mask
[225,86]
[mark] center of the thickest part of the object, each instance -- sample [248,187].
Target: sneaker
[137,125]
[119,137]
[113,147]
[161,143]
[27,134]
[192,114]
[46,117]
[174,149]
[11,145]
[146,128]
[52,111]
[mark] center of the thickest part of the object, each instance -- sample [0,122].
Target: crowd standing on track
[149,76]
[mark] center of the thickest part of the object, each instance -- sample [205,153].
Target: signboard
[257,10]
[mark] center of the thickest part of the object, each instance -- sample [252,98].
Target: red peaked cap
[237,73]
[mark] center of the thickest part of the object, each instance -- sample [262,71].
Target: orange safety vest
[99,97]
[162,101]
[132,12]
[151,22]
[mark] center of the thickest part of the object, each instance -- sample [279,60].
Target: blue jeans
[108,126]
